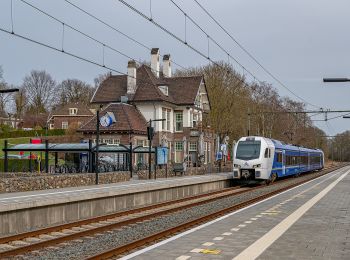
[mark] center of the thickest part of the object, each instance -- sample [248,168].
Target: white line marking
[208,244]
[196,250]
[253,218]
[144,250]
[218,238]
[259,246]
[183,257]
[248,222]
[242,225]
[258,216]
[226,234]
[235,229]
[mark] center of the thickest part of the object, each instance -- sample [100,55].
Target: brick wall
[28,182]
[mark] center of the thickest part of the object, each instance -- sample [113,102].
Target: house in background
[10,120]
[71,114]
[155,94]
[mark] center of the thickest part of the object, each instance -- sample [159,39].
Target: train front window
[248,150]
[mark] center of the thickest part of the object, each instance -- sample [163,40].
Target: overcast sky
[299,41]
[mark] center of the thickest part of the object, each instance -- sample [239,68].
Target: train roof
[281,145]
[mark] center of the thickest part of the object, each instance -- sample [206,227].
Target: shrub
[32,133]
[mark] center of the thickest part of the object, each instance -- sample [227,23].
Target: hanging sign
[108,119]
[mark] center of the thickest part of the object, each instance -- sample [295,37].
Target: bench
[178,167]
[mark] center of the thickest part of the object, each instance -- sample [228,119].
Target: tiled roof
[128,118]
[111,89]
[64,110]
[182,90]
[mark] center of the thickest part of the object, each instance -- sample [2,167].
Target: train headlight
[236,166]
[257,166]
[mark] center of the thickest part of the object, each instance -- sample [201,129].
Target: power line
[118,31]
[103,45]
[176,37]
[253,58]
[211,38]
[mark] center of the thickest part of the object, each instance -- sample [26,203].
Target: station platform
[23,211]
[310,221]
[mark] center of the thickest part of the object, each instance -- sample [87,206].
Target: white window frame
[116,141]
[166,112]
[176,121]
[73,111]
[178,150]
[65,125]
[192,147]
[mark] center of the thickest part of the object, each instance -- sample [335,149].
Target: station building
[145,94]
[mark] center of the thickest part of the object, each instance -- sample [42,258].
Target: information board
[162,155]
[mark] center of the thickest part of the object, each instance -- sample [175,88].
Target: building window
[164,90]
[195,120]
[192,147]
[64,125]
[209,152]
[108,141]
[73,111]
[178,121]
[179,146]
[166,115]
[51,126]
[116,141]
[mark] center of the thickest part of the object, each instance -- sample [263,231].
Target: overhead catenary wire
[253,58]
[115,29]
[176,37]
[103,45]
[210,38]
[68,53]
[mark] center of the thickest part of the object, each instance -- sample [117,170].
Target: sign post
[107,120]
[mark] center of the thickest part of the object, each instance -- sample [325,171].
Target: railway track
[23,243]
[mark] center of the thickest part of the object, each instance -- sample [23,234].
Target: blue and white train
[263,159]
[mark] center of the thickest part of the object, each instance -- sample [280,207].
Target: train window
[279,157]
[269,153]
[266,153]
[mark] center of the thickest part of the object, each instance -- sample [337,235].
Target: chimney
[131,82]
[166,66]
[155,61]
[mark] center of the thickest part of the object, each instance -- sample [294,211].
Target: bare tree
[74,90]
[40,90]
[100,78]
[4,97]
[20,103]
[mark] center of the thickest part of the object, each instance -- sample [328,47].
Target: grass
[13,141]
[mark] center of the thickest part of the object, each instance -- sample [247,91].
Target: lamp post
[9,90]
[336,80]
[150,134]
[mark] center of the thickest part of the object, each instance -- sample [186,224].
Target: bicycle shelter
[87,148]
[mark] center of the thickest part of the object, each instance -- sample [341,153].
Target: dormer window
[73,111]
[164,90]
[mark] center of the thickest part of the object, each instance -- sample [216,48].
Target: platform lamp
[336,79]
[150,134]
[9,90]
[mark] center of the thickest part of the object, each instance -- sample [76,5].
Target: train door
[284,162]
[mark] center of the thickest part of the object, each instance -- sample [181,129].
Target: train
[258,159]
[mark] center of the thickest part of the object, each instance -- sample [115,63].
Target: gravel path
[85,247]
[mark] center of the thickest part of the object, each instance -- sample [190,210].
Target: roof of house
[64,110]
[128,117]
[181,90]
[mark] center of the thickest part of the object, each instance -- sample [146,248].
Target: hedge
[32,133]
[19,165]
